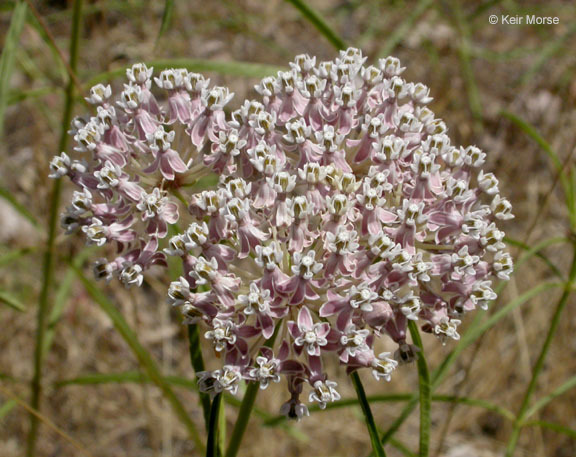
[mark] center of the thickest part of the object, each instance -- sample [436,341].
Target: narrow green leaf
[62,295]
[146,361]
[535,251]
[368,417]
[19,96]
[6,407]
[14,255]
[245,69]
[166,18]
[474,332]
[565,387]
[464,52]
[539,365]
[11,301]
[533,133]
[8,55]
[402,448]
[405,27]
[19,207]
[317,21]
[570,432]
[424,391]
[547,51]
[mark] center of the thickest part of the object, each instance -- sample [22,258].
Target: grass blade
[14,255]
[405,27]
[8,56]
[11,301]
[474,332]
[547,52]
[79,447]
[539,365]
[6,407]
[143,356]
[535,251]
[61,297]
[554,427]
[166,19]
[565,387]
[368,417]
[7,195]
[402,397]
[318,22]
[50,253]
[464,52]
[533,133]
[424,391]
[245,69]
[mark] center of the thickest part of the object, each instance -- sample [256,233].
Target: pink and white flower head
[340,213]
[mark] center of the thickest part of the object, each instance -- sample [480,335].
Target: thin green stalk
[212,443]
[571,433]
[8,56]
[377,447]
[424,391]
[317,21]
[166,19]
[513,441]
[49,256]
[246,408]
[198,365]
[243,418]
[476,329]
[565,387]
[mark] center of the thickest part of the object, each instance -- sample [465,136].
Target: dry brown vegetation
[475,71]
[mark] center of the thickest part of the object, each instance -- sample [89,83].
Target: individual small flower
[324,392]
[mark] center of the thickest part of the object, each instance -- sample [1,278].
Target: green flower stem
[425,391]
[246,408]
[49,256]
[243,418]
[212,444]
[368,417]
[513,441]
[198,365]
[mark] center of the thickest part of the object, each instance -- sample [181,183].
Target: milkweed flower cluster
[341,212]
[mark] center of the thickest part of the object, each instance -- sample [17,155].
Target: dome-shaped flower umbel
[341,212]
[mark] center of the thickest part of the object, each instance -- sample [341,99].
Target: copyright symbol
[493,19]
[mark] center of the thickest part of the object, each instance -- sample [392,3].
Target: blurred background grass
[511,90]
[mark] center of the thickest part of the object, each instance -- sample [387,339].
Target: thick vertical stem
[49,256]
